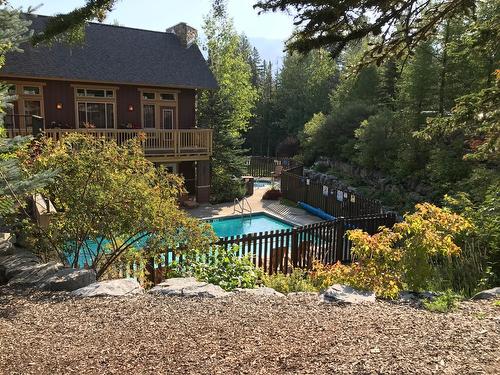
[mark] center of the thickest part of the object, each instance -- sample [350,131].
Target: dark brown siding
[59,92]
[125,96]
[63,92]
[187,109]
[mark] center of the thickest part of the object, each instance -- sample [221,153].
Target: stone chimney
[187,35]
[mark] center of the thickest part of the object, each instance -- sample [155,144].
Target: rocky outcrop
[19,261]
[188,287]
[110,288]
[414,189]
[35,275]
[347,294]
[488,294]
[261,292]
[20,268]
[68,279]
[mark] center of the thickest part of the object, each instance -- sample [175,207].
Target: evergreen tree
[227,110]
[303,87]
[396,27]
[15,185]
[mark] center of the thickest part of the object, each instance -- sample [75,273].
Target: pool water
[224,227]
[234,226]
[259,184]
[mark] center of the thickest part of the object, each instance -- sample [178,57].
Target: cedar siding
[64,92]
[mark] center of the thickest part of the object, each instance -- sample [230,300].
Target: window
[167,96]
[168,119]
[29,102]
[149,115]
[9,119]
[32,107]
[31,90]
[159,108]
[96,115]
[95,93]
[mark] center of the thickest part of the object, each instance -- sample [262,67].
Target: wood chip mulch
[57,334]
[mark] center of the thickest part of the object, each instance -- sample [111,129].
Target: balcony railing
[158,144]
[174,144]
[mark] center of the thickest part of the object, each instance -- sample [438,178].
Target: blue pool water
[234,226]
[224,227]
[258,184]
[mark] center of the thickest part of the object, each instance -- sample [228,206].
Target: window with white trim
[96,115]
[94,93]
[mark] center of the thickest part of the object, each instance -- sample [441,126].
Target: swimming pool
[223,227]
[239,225]
[259,184]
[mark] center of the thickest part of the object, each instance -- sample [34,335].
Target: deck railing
[176,143]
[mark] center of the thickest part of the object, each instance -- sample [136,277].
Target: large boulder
[488,294]
[13,264]
[347,294]
[114,288]
[69,279]
[261,292]
[188,287]
[36,274]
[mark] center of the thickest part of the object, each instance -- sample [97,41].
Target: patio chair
[277,171]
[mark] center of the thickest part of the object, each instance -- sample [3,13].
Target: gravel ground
[42,334]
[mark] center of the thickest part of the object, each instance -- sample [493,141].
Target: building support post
[203,181]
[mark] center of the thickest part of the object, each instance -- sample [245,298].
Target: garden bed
[42,333]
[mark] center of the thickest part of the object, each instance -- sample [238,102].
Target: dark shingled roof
[115,54]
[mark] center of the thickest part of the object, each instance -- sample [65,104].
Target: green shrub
[446,302]
[272,194]
[297,281]
[225,188]
[321,167]
[227,269]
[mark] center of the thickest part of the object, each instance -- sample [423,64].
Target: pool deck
[294,215]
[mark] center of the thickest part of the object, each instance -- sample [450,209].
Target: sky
[267,31]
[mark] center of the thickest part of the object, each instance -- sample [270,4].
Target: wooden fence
[262,166]
[333,201]
[283,250]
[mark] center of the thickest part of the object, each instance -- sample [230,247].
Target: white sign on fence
[340,195]
[325,190]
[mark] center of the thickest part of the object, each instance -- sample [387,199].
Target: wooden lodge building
[119,83]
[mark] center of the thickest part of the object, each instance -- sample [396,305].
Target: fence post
[339,240]
[295,247]
[150,268]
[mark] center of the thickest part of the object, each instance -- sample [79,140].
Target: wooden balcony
[159,145]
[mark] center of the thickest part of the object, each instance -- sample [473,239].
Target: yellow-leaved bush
[397,258]
[429,236]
